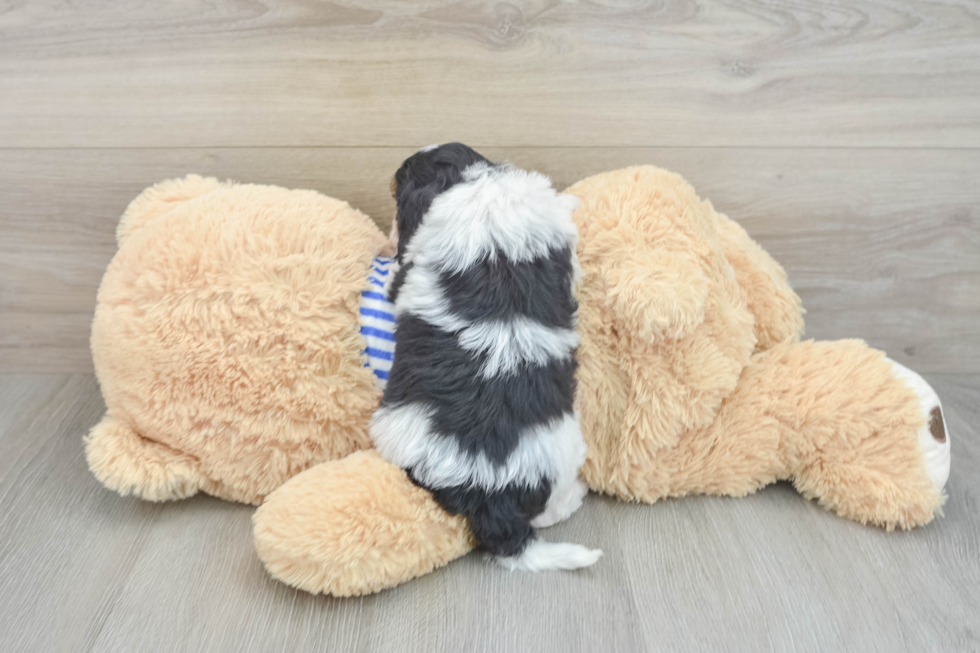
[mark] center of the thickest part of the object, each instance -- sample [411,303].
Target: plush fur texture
[691,376]
[317,529]
[478,406]
[226,342]
[720,397]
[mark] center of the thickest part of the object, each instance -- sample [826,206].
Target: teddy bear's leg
[129,464]
[860,434]
[355,526]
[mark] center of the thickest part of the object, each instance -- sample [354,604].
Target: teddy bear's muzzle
[934,437]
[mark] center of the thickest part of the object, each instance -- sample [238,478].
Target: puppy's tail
[500,523]
[547,556]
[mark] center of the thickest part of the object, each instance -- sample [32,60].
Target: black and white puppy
[478,406]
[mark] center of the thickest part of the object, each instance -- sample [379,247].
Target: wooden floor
[82,569]
[845,136]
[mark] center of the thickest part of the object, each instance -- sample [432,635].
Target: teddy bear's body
[225,340]
[226,344]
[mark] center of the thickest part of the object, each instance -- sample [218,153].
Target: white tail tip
[547,556]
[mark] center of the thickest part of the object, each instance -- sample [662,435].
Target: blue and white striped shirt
[377,320]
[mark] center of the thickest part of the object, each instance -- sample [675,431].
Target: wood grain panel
[207,73]
[83,569]
[844,136]
[882,245]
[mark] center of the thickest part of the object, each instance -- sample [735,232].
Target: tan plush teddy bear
[228,343]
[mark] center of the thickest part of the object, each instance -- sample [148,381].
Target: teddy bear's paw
[126,462]
[562,504]
[934,436]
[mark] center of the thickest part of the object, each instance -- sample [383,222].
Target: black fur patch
[500,289]
[398,281]
[421,178]
[501,520]
[482,415]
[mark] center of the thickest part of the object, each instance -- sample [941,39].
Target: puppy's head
[421,178]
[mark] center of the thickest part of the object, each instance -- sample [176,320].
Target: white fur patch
[508,344]
[421,295]
[935,454]
[548,556]
[567,493]
[404,437]
[496,209]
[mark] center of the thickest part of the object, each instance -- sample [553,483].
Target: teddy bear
[227,344]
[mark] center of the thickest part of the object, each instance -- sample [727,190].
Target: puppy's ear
[394,186]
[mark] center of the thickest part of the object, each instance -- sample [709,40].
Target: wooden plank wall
[844,136]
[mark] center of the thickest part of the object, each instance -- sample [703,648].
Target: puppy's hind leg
[567,490]
[565,499]
[499,522]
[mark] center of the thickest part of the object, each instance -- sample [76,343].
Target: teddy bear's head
[674,300]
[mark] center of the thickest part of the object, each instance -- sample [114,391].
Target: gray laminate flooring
[82,569]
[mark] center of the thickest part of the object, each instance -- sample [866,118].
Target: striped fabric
[377,321]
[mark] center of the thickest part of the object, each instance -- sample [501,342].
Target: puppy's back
[478,406]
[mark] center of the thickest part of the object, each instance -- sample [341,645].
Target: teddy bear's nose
[936,426]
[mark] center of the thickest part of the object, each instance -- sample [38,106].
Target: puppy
[478,404]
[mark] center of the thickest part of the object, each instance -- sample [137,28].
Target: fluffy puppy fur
[478,406]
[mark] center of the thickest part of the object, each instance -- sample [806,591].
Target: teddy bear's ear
[656,294]
[647,248]
[777,310]
[161,198]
